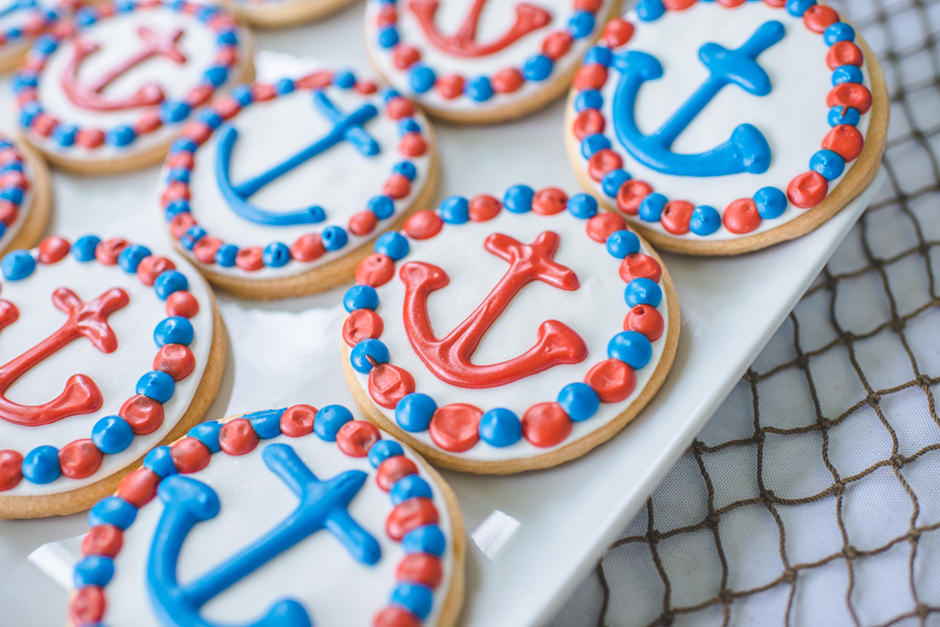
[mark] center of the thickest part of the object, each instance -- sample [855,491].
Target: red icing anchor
[81,395]
[90,96]
[463,43]
[449,358]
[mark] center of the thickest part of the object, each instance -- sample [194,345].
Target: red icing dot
[362,324]
[483,207]
[8,212]
[175,191]
[53,249]
[638,265]
[250,258]
[89,137]
[404,56]
[375,270]
[80,459]
[741,216]
[143,414]
[103,540]
[845,140]
[389,384]
[139,487]
[392,469]
[775,3]
[189,455]
[455,427]
[731,3]
[307,247]
[397,186]
[631,194]
[549,201]
[151,267]
[676,216]
[176,360]
[87,605]
[818,18]
[199,132]
[11,469]
[850,95]
[180,224]
[238,437]
[43,125]
[183,160]
[680,5]
[297,421]
[366,87]
[588,122]
[601,225]
[387,15]
[507,80]
[844,53]
[612,379]
[261,92]
[602,162]
[14,179]
[226,107]
[808,189]
[420,568]
[362,222]
[545,424]
[557,44]
[591,76]
[356,437]
[315,80]
[108,250]
[450,86]
[646,320]
[395,616]
[591,6]
[399,107]
[412,145]
[199,95]
[409,515]
[182,303]
[423,225]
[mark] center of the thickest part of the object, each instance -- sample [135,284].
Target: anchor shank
[467,32]
[13,370]
[690,109]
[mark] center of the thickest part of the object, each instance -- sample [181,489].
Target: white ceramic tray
[533,537]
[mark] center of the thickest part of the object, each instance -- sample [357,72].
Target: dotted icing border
[847,101]
[34,119]
[210,250]
[451,427]
[412,521]
[14,184]
[142,412]
[40,17]
[537,68]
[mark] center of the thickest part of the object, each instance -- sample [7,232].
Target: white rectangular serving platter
[532,537]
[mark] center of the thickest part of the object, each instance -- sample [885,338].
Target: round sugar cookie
[109,90]
[266,213]
[25,195]
[720,128]
[280,13]
[108,350]
[476,61]
[287,516]
[21,21]
[497,336]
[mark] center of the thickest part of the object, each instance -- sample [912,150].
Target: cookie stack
[507,331]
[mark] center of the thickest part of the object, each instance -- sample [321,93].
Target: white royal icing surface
[25,207]
[792,117]
[119,39]
[333,587]
[495,19]
[341,179]
[595,312]
[115,374]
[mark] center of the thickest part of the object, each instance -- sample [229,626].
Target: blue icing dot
[416,598]
[427,539]
[828,163]
[360,297]
[652,207]
[840,31]
[334,237]
[393,244]
[168,282]
[388,37]
[582,206]
[329,420]
[580,24]
[368,353]
[382,206]
[157,385]
[600,55]
[226,254]
[173,330]
[344,79]
[284,86]
[112,434]
[409,487]
[797,8]
[613,181]
[93,570]
[413,412]
[17,265]
[771,202]
[382,450]
[479,89]
[705,220]
[844,115]
[172,111]
[643,291]
[276,255]
[622,243]
[537,68]
[41,465]
[455,210]
[120,136]
[131,256]
[160,461]
[594,143]
[112,510]
[267,424]
[588,99]
[64,134]
[579,400]
[650,10]
[406,169]
[630,347]
[847,74]
[518,198]
[208,434]
[500,427]
[421,78]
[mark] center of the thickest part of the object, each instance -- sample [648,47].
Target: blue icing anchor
[346,127]
[187,502]
[746,150]
[17,5]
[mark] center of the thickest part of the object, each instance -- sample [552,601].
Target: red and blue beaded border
[34,118]
[458,427]
[537,68]
[14,184]
[412,521]
[848,100]
[40,17]
[209,250]
[142,412]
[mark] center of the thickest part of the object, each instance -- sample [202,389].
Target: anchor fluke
[753,149]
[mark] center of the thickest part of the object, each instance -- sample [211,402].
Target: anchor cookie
[719,128]
[479,60]
[268,214]
[279,13]
[110,90]
[292,516]
[497,336]
[108,350]
[21,21]
[25,195]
